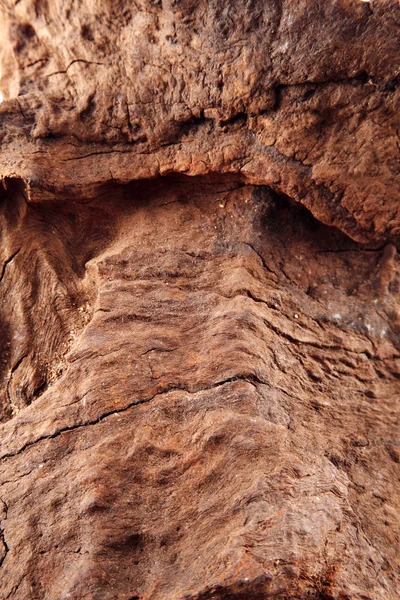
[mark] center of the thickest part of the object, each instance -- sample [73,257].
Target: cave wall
[199,300]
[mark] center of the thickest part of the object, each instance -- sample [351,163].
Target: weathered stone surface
[224,421]
[299,95]
[199,379]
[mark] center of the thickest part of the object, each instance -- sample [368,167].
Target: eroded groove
[14,368]
[6,263]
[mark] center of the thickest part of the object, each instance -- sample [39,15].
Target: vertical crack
[2,537]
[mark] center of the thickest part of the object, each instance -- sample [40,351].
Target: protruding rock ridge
[222,418]
[199,376]
[299,95]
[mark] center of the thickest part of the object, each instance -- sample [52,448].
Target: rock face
[199,300]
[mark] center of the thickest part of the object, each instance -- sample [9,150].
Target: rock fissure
[77,60]
[250,378]
[2,536]
[7,262]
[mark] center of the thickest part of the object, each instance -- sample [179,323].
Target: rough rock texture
[199,300]
[300,95]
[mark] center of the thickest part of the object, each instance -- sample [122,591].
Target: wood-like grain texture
[199,300]
[216,412]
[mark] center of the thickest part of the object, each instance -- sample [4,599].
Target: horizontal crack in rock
[249,378]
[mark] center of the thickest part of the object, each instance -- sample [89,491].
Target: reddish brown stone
[199,301]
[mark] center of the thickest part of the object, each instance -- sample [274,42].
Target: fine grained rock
[199,300]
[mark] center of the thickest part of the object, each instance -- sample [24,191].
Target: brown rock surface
[199,376]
